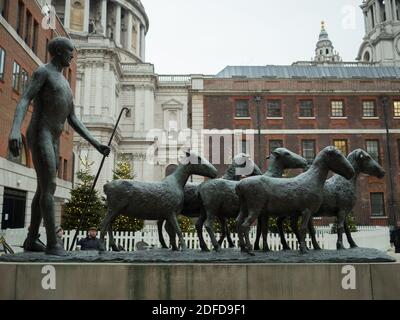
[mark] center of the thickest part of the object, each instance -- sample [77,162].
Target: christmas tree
[73,210]
[124,223]
[185,224]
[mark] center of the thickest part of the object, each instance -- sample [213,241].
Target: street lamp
[260,159]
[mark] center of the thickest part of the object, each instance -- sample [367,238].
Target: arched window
[367,57]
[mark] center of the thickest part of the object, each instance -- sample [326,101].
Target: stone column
[388,10]
[118,25]
[129,32]
[67,14]
[366,22]
[86,16]
[142,44]
[139,107]
[394,10]
[377,12]
[371,14]
[104,16]
[99,87]
[149,108]
[86,89]
[138,41]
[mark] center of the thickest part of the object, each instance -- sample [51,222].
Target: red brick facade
[32,35]
[220,96]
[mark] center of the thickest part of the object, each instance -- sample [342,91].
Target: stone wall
[192,282]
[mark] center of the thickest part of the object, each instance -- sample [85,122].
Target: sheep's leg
[199,229]
[239,221]
[229,237]
[311,229]
[348,235]
[173,220]
[258,235]
[172,235]
[113,245]
[264,231]
[170,228]
[295,227]
[209,227]
[279,223]
[104,228]
[340,228]
[224,228]
[303,230]
[160,233]
[254,213]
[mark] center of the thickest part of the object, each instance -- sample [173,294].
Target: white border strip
[300,131]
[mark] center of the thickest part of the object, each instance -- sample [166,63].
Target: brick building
[23,42]
[306,107]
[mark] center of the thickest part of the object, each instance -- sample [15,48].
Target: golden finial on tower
[322,25]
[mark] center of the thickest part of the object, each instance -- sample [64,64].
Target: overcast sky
[204,36]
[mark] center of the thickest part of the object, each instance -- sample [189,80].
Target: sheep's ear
[187,153]
[360,154]
[276,153]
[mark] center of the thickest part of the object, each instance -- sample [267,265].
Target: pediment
[172,105]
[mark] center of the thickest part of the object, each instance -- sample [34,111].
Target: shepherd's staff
[95,181]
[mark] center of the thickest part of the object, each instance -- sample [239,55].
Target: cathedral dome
[121,24]
[324,40]
[324,51]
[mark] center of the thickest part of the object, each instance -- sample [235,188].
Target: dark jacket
[395,238]
[90,244]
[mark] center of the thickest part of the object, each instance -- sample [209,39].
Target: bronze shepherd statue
[53,105]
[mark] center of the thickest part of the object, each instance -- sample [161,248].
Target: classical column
[139,108]
[67,14]
[138,41]
[388,10]
[149,108]
[377,12]
[129,32]
[366,22]
[104,16]
[371,12]
[394,10]
[86,16]
[142,44]
[86,89]
[99,87]
[118,25]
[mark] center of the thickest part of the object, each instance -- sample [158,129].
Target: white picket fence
[368,237]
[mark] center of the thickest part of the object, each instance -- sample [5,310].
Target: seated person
[90,242]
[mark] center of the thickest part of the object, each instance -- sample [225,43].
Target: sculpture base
[204,281]
[357,255]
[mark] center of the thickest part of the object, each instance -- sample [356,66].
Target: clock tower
[381,43]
